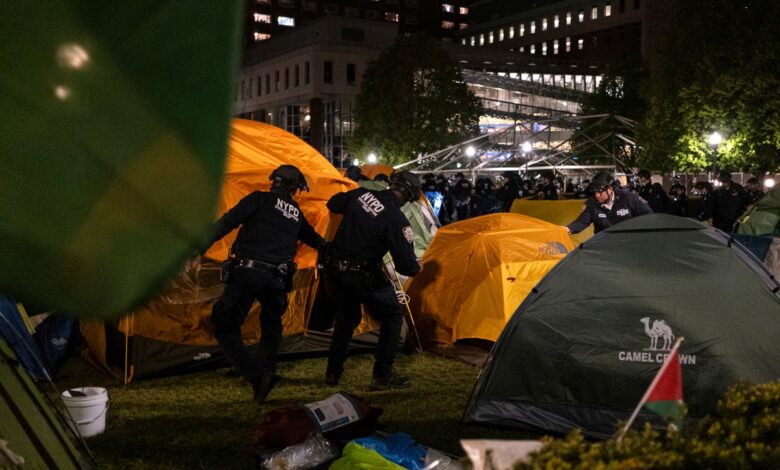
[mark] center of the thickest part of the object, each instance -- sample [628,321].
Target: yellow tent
[172,332]
[561,212]
[476,273]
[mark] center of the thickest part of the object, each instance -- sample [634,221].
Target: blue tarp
[15,332]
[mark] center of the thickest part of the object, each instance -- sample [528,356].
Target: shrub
[742,433]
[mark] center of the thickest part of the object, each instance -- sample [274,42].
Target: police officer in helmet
[608,206]
[260,267]
[372,225]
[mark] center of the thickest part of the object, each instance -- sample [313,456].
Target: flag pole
[657,377]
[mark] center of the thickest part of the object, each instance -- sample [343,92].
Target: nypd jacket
[655,196]
[625,206]
[373,224]
[271,225]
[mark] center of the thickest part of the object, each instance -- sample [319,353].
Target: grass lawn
[205,420]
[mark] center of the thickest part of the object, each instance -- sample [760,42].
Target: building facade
[306,81]
[604,32]
[439,18]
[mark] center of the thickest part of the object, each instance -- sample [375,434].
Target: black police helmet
[644,174]
[289,179]
[601,181]
[407,183]
[724,176]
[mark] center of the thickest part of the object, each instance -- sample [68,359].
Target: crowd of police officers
[260,266]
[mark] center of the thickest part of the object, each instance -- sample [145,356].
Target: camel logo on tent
[660,330]
[661,339]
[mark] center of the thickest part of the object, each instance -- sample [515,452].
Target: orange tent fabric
[181,315]
[561,212]
[478,271]
[255,150]
[370,171]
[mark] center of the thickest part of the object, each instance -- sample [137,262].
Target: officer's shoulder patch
[408,233]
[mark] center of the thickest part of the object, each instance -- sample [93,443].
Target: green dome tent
[585,344]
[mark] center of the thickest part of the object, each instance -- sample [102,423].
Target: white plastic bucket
[87,412]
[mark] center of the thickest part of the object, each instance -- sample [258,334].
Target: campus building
[439,18]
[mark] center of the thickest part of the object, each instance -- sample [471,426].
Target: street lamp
[527,147]
[371,158]
[470,151]
[714,140]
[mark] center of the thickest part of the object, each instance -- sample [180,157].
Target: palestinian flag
[665,394]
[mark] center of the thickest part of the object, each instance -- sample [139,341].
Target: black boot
[264,386]
[333,375]
[386,382]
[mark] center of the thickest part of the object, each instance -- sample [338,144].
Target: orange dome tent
[478,271]
[172,332]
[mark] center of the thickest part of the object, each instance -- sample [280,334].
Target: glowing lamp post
[714,140]
[371,158]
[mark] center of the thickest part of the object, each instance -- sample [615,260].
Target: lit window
[501,34]
[608,9]
[555,47]
[511,32]
[544,48]
[261,18]
[463,10]
[521,31]
[393,17]
[544,24]
[490,37]
[481,39]
[472,41]
[568,44]
[594,13]
[532,28]
[533,48]
[556,21]
[262,36]
[581,15]
[464,25]
[463,41]
[446,7]
[447,25]
[285,21]
[568,17]
[522,48]
[580,44]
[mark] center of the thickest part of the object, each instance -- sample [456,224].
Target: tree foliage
[718,69]
[413,100]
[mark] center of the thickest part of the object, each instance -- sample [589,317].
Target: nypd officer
[608,206]
[372,225]
[260,267]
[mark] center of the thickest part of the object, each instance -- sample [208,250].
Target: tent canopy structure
[477,271]
[172,332]
[562,212]
[583,347]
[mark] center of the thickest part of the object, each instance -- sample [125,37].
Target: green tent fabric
[764,217]
[583,347]
[423,228]
[29,427]
[115,123]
